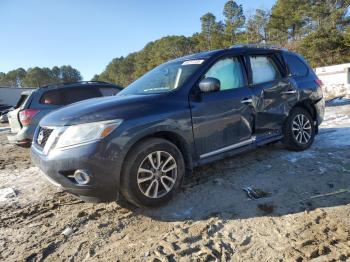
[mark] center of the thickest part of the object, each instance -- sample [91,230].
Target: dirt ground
[304,213]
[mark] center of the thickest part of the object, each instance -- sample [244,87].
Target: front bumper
[60,165]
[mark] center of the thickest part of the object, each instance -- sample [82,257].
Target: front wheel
[152,173]
[299,130]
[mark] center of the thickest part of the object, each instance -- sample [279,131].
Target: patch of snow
[335,129]
[4,129]
[334,120]
[6,193]
[30,183]
[338,101]
[334,137]
[322,170]
[186,213]
[293,157]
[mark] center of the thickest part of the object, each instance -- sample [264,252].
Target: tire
[299,130]
[139,187]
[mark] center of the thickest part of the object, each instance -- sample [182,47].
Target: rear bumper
[23,137]
[320,109]
[59,167]
[13,139]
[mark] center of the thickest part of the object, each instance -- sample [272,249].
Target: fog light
[82,177]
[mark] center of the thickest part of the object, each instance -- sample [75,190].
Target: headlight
[85,133]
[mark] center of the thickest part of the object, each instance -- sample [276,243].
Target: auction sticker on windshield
[193,62]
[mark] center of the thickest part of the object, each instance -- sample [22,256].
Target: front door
[222,120]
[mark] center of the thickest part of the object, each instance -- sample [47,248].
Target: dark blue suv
[182,114]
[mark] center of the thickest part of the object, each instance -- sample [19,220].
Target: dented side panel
[272,103]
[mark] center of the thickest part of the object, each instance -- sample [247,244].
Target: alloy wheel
[301,128]
[157,174]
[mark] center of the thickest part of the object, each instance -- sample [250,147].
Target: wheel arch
[181,144]
[172,137]
[308,105]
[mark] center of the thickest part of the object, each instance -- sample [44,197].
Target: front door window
[229,72]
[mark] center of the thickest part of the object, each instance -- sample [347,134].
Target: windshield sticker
[193,62]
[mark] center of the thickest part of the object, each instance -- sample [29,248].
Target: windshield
[163,78]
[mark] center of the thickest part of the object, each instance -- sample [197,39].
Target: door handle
[289,92]
[246,100]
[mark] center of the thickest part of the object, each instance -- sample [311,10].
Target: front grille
[43,136]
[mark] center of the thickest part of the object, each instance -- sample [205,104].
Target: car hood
[100,109]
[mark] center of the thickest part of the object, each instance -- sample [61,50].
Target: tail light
[26,116]
[319,82]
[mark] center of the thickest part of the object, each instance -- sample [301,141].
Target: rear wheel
[299,130]
[152,173]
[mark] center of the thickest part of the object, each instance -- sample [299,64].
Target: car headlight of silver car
[86,133]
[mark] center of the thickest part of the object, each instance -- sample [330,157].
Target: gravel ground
[303,213]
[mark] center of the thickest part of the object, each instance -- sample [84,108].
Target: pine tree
[234,19]
[208,27]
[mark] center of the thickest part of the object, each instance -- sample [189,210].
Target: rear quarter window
[295,65]
[108,91]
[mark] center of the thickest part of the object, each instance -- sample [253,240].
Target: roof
[259,46]
[201,55]
[81,83]
[238,48]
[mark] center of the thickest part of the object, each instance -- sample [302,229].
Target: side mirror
[209,84]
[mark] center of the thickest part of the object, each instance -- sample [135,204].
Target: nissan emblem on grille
[40,137]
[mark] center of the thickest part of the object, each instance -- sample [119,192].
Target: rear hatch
[13,116]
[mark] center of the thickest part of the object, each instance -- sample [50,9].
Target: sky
[88,34]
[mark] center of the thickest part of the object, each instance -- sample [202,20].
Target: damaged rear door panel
[273,95]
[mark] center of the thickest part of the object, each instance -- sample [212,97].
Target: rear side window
[52,97]
[229,72]
[72,95]
[295,65]
[67,96]
[264,69]
[108,91]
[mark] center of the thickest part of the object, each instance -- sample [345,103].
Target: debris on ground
[67,232]
[255,193]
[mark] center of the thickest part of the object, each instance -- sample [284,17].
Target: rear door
[222,120]
[272,92]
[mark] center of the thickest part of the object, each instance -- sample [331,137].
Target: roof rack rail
[78,82]
[91,82]
[265,46]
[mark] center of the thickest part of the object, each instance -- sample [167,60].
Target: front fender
[132,132]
